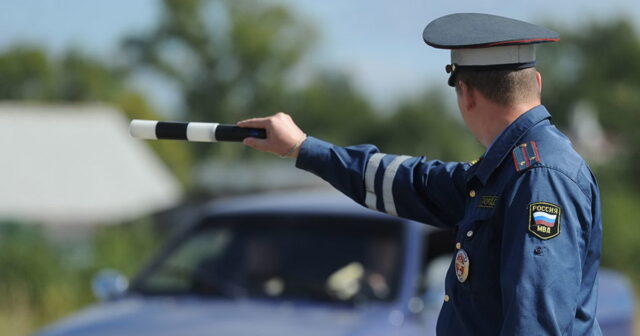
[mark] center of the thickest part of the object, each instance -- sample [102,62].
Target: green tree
[81,78]
[230,58]
[26,73]
[331,108]
[427,126]
[233,59]
[598,64]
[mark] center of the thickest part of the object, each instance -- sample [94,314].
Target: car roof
[304,201]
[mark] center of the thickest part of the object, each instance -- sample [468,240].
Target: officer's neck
[496,117]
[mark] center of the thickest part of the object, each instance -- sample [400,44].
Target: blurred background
[78,195]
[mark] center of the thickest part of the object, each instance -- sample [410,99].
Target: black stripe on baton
[171,130]
[235,133]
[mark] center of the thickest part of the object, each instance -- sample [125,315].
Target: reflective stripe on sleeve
[387,184]
[370,180]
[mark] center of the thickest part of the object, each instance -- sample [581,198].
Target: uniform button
[446,298]
[472,193]
[458,246]
[469,233]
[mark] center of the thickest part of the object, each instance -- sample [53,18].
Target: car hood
[194,317]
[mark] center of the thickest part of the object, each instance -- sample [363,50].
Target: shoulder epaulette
[525,155]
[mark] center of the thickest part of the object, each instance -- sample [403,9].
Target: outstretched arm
[411,187]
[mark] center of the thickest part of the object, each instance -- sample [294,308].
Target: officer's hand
[282,134]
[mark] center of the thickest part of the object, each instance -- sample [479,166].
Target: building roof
[77,164]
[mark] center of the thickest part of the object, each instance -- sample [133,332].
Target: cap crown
[486,42]
[475,30]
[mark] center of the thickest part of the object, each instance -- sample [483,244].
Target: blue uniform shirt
[527,222]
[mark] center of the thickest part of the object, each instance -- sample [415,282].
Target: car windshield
[297,257]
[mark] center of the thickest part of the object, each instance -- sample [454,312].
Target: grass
[40,282]
[16,315]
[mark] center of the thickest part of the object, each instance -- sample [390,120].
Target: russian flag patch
[525,155]
[544,220]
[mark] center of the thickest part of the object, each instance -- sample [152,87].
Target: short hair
[504,87]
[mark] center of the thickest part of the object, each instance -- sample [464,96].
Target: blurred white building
[77,165]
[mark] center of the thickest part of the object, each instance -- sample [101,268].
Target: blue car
[312,263]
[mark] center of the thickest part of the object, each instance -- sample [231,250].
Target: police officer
[526,215]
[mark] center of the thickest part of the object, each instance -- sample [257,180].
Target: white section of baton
[387,184]
[370,180]
[143,129]
[201,132]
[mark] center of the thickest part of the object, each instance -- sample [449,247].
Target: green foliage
[332,109]
[230,58]
[620,239]
[425,126]
[598,64]
[25,73]
[125,247]
[22,260]
[28,73]
[329,107]
[80,78]
[234,59]
[42,281]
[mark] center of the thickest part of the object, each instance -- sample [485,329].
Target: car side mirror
[109,284]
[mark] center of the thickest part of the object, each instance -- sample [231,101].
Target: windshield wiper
[206,282]
[200,281]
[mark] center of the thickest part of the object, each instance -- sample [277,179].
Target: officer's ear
[466,95]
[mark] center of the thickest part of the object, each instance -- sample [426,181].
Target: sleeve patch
[525,155]
[544,220]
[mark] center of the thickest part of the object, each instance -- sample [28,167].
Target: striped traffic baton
[192,131]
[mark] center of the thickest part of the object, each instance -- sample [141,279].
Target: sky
[378,42]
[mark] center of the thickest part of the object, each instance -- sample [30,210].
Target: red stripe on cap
[521,42]
[493,44]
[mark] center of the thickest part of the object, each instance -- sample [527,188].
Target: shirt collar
[504,143]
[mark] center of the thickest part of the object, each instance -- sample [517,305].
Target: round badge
[462,265]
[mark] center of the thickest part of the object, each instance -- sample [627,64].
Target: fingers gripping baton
[192,131]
